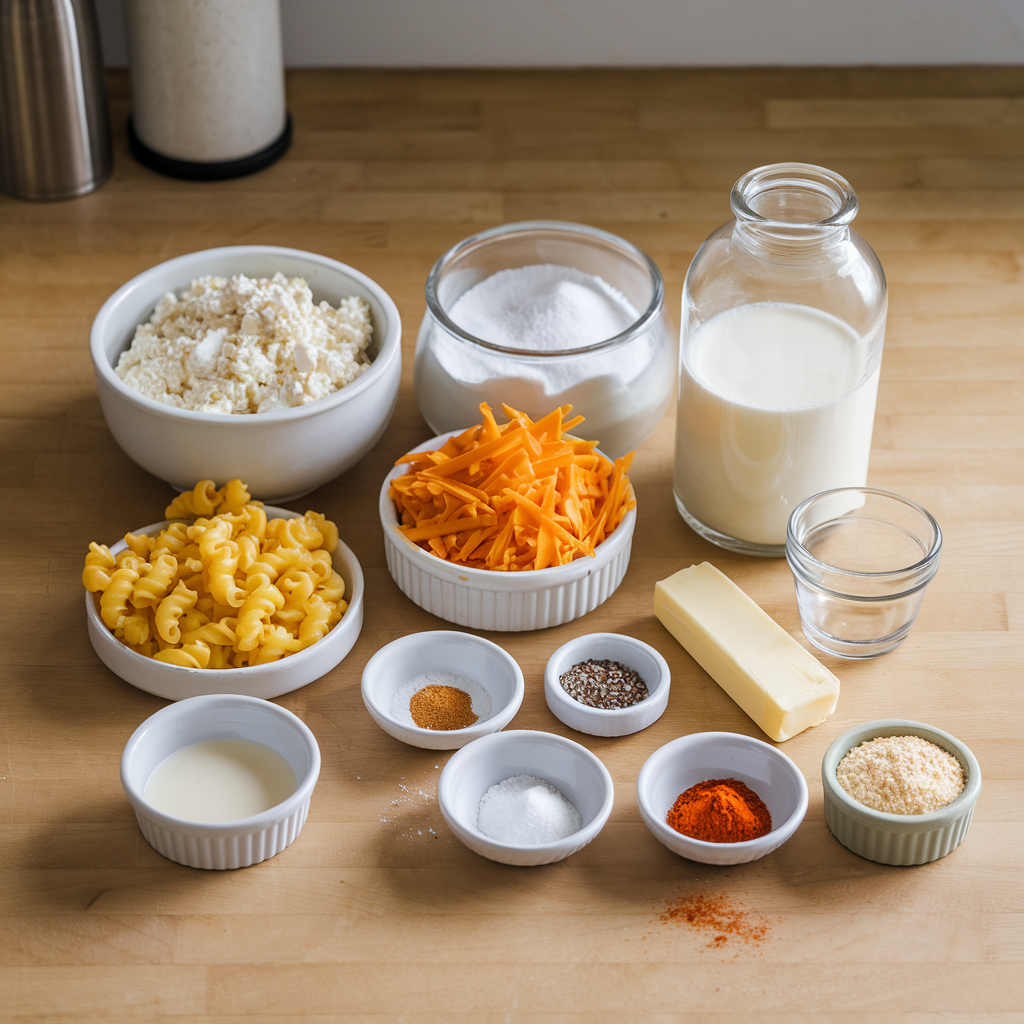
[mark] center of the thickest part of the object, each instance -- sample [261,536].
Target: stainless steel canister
[54,126]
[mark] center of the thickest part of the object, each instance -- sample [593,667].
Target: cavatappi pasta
[229,588]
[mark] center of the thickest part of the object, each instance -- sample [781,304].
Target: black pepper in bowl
[607,685]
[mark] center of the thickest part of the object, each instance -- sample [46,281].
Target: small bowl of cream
[220,781]
[442,689]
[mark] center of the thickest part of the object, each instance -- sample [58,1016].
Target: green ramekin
[900,839]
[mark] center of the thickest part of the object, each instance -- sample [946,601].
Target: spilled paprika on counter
[720,811]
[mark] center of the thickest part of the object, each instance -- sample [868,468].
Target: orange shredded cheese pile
[518,496]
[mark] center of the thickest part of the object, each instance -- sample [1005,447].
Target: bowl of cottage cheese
[273,364]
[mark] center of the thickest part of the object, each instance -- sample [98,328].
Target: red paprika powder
[720,811]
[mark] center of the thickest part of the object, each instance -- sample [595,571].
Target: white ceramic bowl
[682,763]
[900,839]
[177,683]
[279,455]
[232,844]
[572,769]
[506,601]
[626,650]
[442,651]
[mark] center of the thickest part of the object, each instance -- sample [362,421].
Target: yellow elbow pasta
[227,589]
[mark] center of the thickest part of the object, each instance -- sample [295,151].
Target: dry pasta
[228,589]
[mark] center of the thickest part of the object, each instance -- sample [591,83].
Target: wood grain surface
[377,912]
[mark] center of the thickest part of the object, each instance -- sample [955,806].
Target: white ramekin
[578,774]
[279,455]
[626,650]
[899,839]
[689,760]
[506,601]
[232,844]
[175,682]
[442,651]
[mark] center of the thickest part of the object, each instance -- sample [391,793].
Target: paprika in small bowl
[753,786]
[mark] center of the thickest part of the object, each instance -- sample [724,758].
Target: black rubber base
[214,170]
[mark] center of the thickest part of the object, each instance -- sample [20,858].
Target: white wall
[520,33]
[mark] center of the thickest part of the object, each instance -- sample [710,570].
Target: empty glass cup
[861,560]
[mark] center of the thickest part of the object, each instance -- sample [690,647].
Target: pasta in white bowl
[176,678]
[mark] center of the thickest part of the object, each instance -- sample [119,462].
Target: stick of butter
[780,685]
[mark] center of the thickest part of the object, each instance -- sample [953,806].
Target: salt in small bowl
[626,650]
[574,771]
[442,651]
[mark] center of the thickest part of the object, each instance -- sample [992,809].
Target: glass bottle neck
[792,207]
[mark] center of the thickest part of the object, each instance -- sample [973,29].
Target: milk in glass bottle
[783,321]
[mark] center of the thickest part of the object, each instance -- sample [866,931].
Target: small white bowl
[626,650]
[682,763]
[174,682]
[505,601]
[568,766]
[280,455]
[404,659]
[220,845]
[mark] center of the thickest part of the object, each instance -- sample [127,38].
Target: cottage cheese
[247,346]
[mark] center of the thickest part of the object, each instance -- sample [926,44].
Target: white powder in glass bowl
[247,345]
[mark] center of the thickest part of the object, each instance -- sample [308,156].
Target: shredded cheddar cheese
[513,497]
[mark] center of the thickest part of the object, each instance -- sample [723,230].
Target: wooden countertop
[377,912]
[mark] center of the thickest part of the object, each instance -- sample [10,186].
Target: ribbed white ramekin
[221,845]
[899,839]
[508,601]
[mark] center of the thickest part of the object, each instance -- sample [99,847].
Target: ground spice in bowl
[442,707]
[607,685]
[720,811]
[441,701]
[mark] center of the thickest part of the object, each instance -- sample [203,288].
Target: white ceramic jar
[207,85]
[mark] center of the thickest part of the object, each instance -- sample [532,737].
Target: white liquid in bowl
[220,780]
[775,404]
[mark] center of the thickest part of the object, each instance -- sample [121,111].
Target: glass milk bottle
[781,344]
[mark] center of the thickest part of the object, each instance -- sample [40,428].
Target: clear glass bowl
[622,384]
[861,560]
[783,319]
